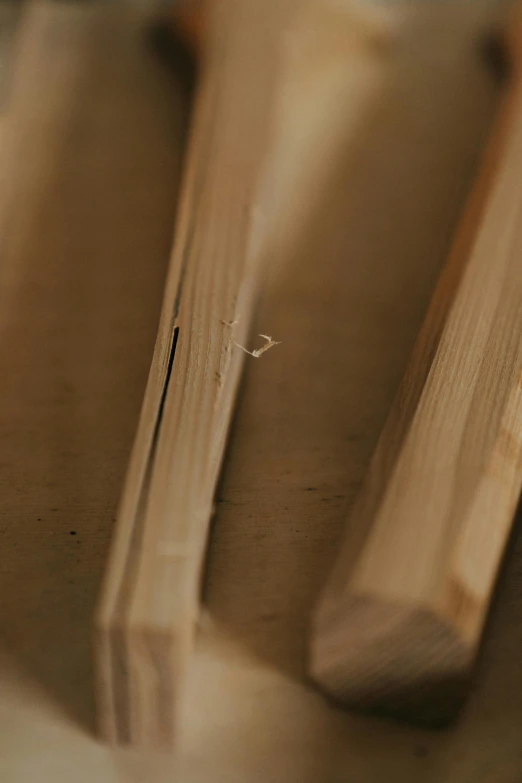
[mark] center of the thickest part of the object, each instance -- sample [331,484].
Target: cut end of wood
[390,659]
[139,675]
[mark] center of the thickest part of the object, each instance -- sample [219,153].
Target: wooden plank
[399,623]
[145,624]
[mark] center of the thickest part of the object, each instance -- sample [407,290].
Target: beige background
[91,149]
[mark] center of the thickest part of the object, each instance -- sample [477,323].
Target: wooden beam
[398,625]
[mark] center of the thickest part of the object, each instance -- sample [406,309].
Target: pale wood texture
[149,605]
[398,625]
[75,347]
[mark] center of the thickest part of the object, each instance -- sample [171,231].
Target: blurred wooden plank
[92,157]
[398,625]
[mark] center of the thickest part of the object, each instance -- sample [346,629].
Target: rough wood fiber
[398,625]
[148,609]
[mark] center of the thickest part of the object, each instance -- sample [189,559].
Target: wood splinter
[399,623]
[260,351]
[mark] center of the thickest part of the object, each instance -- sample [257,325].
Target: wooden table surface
[91,159]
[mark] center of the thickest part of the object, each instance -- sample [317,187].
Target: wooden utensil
[399,623]
[272,79]
[149,605]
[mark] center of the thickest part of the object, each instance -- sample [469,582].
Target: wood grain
[148,609]
[398,625]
